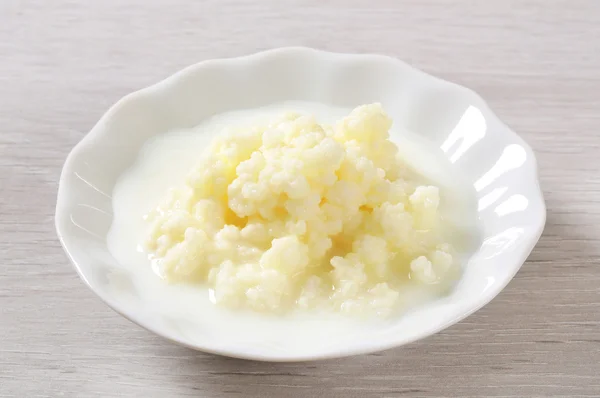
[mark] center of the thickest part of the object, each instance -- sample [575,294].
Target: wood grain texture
[63,63]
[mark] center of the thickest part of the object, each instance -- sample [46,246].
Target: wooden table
[63,63]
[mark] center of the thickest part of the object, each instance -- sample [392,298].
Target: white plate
[490,155]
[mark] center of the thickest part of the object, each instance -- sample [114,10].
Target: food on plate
[297,214]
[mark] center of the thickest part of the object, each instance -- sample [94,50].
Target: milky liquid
[164,162]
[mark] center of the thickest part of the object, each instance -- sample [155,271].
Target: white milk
[164,162]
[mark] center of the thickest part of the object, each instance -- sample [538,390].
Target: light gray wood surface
[64,62]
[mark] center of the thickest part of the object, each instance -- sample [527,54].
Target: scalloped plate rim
[262,56]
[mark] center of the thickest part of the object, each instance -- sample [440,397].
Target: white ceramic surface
[500,165]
